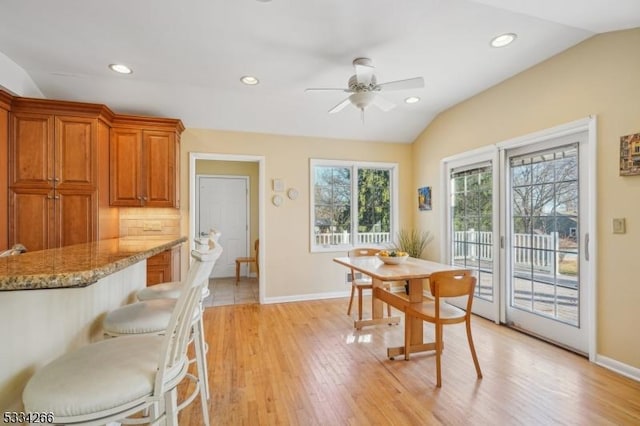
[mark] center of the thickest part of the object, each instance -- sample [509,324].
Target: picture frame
[630,155]
[424,198]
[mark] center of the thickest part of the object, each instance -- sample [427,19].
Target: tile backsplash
[149,221]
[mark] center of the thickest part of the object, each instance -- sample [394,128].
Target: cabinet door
[31,148]
[159,160]
[125,178]
[75,217]
[31,213]
[159,268]
[75,152]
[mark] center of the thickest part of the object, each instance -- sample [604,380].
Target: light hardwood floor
[303,364]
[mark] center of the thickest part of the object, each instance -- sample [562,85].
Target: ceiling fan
[365,89]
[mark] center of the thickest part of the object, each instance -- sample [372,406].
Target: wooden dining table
[412,271]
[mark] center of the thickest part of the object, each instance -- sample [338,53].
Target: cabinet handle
[49,179]
[57,197]
[144,198]
[56,179]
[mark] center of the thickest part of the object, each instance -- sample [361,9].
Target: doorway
[520,215]
[218,164]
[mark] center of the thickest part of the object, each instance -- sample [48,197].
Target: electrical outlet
[619,226]
[152,225]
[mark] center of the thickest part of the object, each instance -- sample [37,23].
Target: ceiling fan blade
[340,106]
[382,103]
[319,89]
[364,73]
[410,83]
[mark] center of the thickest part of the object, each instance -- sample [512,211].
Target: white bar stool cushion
[111,379]
[168,290]
[151,316]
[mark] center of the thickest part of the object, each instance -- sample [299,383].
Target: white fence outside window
[341,238]
[538,250]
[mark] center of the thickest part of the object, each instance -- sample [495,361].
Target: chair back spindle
[174,348]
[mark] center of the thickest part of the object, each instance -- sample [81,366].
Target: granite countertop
[78,265]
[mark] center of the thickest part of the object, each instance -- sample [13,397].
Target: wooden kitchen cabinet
[144,164]
[55,163]
[164,267]
[5,105]
[53,174]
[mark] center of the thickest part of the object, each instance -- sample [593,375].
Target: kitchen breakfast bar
[53,301]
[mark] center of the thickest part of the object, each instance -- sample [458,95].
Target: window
[353,204]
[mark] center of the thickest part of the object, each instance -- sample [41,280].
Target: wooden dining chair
[249,260]
[364,282]
[443,285]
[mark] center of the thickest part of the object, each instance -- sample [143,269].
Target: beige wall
[289,269]
[237,168]
[600,76]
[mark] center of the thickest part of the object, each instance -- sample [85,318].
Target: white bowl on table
[393,260]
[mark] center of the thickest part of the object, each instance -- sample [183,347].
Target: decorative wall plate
[276,200]
[292,193]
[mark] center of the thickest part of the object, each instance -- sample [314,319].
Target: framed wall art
[424,198]
[630,155]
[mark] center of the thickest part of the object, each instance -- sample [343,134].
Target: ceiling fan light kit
[364,88]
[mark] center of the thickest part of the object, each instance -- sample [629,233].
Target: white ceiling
[189,55]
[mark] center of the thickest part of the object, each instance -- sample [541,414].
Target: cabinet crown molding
[101,111]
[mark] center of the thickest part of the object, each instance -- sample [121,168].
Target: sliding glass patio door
[546,205]
[517,215]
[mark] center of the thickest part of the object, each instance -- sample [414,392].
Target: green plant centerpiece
[412,241]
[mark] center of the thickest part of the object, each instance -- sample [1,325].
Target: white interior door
[223,204]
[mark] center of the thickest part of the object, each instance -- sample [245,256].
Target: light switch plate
[619,226]
[278,185]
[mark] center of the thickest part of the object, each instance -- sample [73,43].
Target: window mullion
[354,206]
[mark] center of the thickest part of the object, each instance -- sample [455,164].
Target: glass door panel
[473,244]
[543,279]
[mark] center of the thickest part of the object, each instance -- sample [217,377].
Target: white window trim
[313,163]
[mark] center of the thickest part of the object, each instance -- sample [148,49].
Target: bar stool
[171,289]
[151,317]
[116,378]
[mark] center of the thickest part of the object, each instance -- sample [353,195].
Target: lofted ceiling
[188,56]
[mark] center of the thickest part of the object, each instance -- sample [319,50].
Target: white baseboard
[319,296]
[306,297]
[618,367]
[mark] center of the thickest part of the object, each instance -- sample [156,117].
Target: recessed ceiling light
[120,68]
[503,40]
[250,80]
[412,99]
